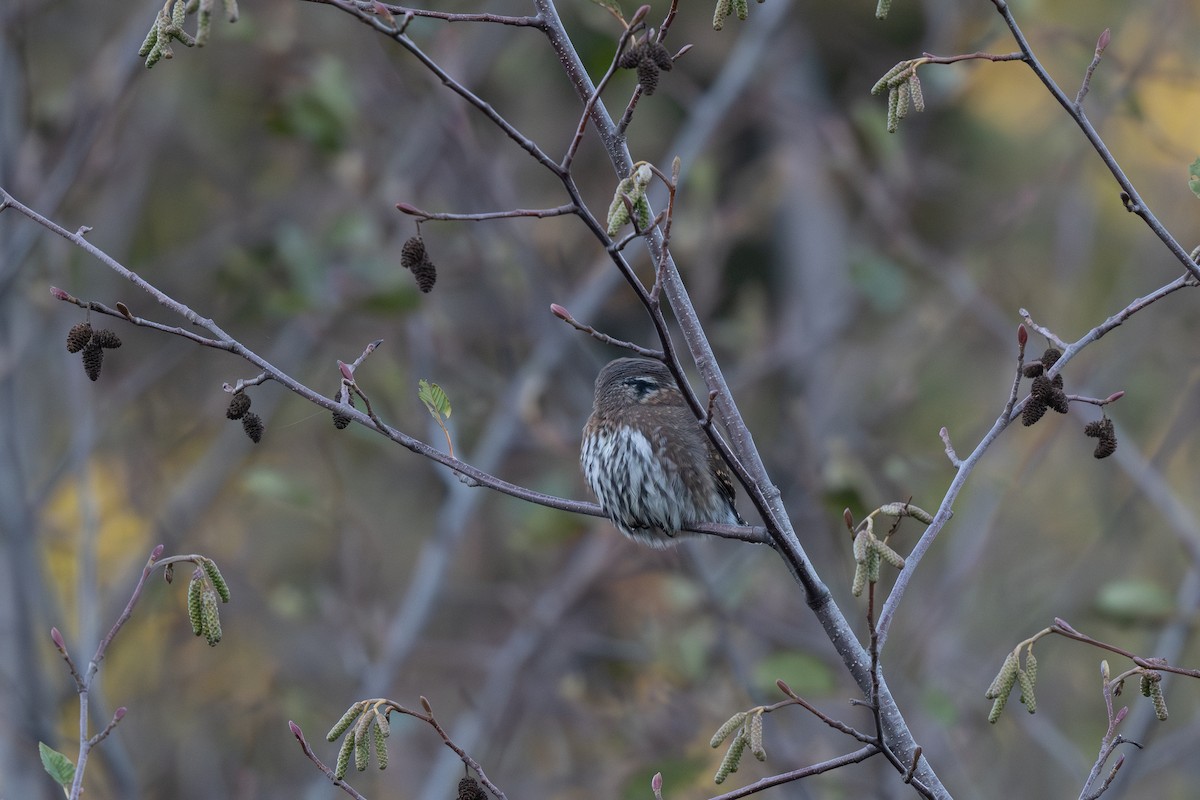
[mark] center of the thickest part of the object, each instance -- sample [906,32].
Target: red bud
[560,312]
[1103,41]
[295,729]
[1022,335]
[119,714]
[347,372]
[58,640]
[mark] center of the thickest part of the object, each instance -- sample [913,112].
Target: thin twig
[708,412]
[953,456]
[660,269]
[117,716]
[836,724]
[566,317]
[329,773]
[496,19]
[463,754]
[630,29]
[57,637]
[661,36]
[966,466]
[241,383]
[174,330]
[1050,335]
[862,754]
[1137,205]
[1111,740]
[539,213]
[1101,44]
[84,683]
[1061,628]
[637,233]
[364,15]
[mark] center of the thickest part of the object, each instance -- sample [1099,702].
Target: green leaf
[1134,600]
[804,673]
[1194,177]
[57,765]
[434,398]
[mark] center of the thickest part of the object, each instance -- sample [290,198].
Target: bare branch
[540,213]
[1101,44]
[329,773]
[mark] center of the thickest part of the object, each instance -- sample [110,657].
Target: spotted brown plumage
[646,458]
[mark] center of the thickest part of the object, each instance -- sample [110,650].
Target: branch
[1135,203]
[1061,628]
[367,18]
[862,754]
[630,29]
[540,213]
[83,683]
[367,6]
[566,317]
[370,717]
[329,773]
[967,465]
[223,340]
[1101,44]
[466,758]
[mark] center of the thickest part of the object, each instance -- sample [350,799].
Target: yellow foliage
[91,510]
[1004,95]
[1169,100]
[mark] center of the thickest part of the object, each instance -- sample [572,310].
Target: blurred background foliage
[861,290]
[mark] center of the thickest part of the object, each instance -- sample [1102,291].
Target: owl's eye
[641,386]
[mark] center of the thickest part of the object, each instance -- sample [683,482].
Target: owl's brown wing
[720,472]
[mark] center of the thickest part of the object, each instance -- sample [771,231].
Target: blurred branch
[742,456]
[224,341]
[588,565]
[741,452]
[361,13]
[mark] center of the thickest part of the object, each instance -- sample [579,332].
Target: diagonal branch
[1134,203]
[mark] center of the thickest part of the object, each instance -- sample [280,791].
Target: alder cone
[93,360]
[413,252]
[78,337]
[426,275]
